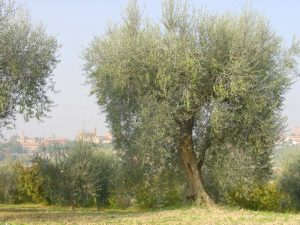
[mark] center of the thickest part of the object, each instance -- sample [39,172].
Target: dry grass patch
[41,215]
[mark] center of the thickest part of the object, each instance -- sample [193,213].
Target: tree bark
[190,164]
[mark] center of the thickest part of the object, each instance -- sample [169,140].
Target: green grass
[216,215]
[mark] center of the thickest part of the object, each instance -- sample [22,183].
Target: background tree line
[82,175]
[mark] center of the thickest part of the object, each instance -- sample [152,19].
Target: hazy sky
[76,22]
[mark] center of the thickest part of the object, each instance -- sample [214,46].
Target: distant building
[106,139]
[92,137]
[53,140]
[294,137]
[32,144]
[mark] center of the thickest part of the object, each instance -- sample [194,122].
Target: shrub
[8,189]
[226,171]
[159,191]
[290,181]
[82,175]
[32,182]
[260,197]
[120,201]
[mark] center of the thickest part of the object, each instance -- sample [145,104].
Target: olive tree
[27,59]
[197,83]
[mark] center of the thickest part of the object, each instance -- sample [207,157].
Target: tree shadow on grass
[60,215]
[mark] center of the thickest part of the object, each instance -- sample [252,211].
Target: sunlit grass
[216,215]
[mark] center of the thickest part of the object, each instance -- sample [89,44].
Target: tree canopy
[192,87]
[27,59]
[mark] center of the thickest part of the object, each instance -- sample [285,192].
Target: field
[38,215]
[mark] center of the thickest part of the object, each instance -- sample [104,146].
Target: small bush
[290,181]
[160,191]
[120,201]
[261,197]
[8,189]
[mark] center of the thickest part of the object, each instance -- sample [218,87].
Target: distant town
[33,143]
[291,138]
[18,146]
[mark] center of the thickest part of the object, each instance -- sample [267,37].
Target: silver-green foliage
[227,73]
[27,58]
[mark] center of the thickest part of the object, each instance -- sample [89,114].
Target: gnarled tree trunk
[190,164]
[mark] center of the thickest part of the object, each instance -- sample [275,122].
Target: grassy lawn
[38,215]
